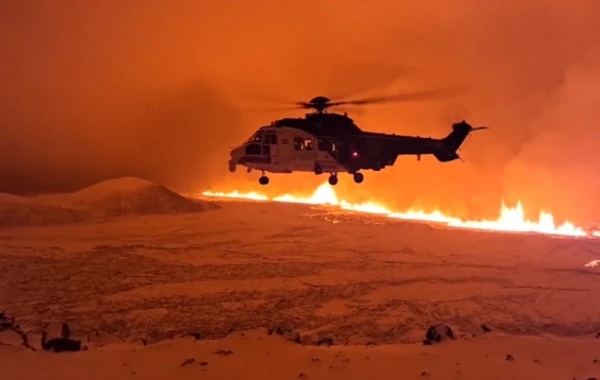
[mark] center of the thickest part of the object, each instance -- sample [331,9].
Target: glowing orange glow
[511,219]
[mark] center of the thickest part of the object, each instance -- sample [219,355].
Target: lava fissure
[511,219]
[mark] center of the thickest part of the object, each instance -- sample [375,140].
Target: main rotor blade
[357,78]
[438,94]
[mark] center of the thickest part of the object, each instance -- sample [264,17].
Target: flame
[511,219]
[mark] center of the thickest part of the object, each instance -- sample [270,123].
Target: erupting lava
[510,220]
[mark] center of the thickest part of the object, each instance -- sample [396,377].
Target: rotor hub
[319,103]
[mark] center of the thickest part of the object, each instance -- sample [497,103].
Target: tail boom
[447,150]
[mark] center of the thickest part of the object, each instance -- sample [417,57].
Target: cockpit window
[257,137]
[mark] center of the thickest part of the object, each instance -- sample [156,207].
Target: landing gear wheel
[358,177]
[333,180]
[263,180]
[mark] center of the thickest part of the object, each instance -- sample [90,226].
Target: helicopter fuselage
[332,143]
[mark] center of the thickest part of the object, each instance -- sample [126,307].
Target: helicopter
[324,142]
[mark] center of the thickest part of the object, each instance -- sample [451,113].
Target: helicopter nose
[235,154]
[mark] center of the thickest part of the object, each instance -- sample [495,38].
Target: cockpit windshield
[256,138]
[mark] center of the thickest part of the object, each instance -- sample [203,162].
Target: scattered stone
[223,352]
[438,333]
[10,337]
[485,328]
[425,374]
[203,364]
[510,358]
[595,361]
[592,378]
[598,335]
[57,330]
[302,375]
[11,333]
[325,341]
[538,361]
[188,362]
[6,322]
[315,359]
[56,336]
[286,333]
[345,360]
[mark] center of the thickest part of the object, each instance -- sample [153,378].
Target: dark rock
[61,345]
[425,374]
[286,333]
[203,364]
[187,362]
[6,321]
[223,352]
[538,361]
[302,375]
[56,336]
[598,335]
[509,358]
[195,335]
[485,329]
[325,341]
[55,330]
[438,333]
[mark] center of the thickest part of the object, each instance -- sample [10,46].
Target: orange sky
[160,89]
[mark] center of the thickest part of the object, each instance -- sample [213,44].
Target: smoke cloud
[163,90]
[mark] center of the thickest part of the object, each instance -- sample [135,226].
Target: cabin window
[298,143]
[327,145]
[308,144]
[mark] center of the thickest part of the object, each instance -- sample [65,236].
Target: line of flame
[511,219]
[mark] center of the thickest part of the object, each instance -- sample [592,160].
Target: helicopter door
[271,141]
